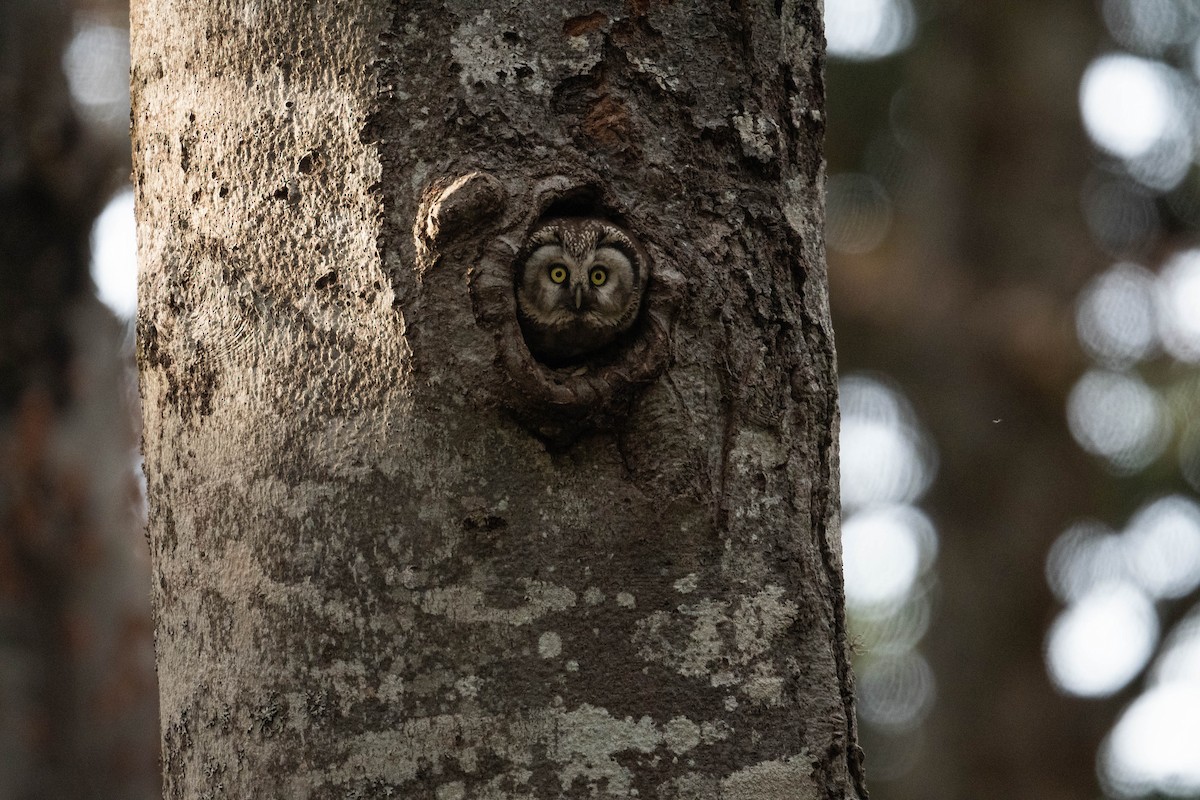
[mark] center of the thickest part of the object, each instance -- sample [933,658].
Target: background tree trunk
[77,696]
[395,556]
[970,306]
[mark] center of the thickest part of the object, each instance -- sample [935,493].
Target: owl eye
[558,273]
[599,276]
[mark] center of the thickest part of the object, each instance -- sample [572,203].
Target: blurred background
[1013,199]
[1013,205]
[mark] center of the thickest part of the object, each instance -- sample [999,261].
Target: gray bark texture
[394,555]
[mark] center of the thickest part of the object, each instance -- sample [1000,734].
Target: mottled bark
[77,696]
[396,556]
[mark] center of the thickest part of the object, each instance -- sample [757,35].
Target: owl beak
[578,297]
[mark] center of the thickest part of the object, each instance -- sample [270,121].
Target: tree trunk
[394,554]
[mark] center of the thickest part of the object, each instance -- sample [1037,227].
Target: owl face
[579,287]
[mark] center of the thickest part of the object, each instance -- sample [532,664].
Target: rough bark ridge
[396,556]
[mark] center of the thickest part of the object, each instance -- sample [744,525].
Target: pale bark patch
[465,604]
[772,780]
[727,643]
[586,743]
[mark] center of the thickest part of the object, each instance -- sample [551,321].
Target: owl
[579,287]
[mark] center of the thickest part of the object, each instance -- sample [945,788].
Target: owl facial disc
[579,287]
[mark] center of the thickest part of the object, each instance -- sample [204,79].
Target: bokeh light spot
[1116,315]
[1155,746]
[1180,659]
[885,456]
[1119,417]
[114,256]
[96,63]
[1165,164]
[1100,642]
[898,628]
[1086,555]
[895,692]
[1159,551]
[1163,542]
[1147,25]
[858,213]
[861,30]
[885,550]
[1179,306]
[1127,104]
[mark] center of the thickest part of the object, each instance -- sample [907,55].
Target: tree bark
[394,555]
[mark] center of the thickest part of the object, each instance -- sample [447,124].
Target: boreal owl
[579,287]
